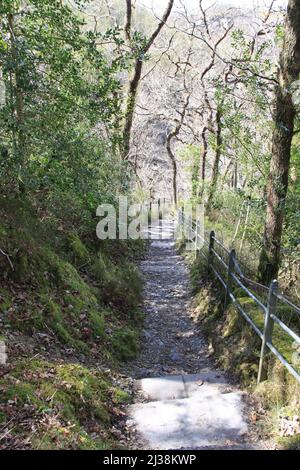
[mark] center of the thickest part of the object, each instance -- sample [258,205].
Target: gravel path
[181,400]
[171,343]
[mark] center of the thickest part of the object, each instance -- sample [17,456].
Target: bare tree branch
[8,259]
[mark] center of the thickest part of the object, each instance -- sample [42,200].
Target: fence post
[196,240]
[159,218]
[190,228]
[229,277]
[180,231]
[268,329]
[159,209]
[211,247]
[150,214]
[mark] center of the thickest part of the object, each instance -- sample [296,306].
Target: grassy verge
[236,348]
[73,303]
[50,405]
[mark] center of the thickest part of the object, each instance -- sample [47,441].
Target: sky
[190,4]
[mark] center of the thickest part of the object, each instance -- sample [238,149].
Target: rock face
[3,355]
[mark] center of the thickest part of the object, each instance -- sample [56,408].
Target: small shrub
[125,344]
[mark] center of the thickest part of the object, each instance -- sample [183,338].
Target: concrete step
[189,412]
[171,387]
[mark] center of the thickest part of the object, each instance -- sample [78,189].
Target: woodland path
[181,400]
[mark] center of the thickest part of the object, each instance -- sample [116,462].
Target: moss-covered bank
[236,348]
[58,406]
[73,303]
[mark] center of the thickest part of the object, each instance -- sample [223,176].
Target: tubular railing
[228,271]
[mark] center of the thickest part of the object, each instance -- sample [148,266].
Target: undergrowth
[58,406]
[236,348]
[75,301]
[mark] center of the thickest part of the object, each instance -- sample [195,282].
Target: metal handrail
[255,285]
[247,318]
[286,328]
[249,293]
[221,245]
[235,273]
[288,302]
[219,258]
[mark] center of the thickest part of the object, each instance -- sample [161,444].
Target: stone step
[171,387]
[190,411]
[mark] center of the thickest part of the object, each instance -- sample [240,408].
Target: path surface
[181,400]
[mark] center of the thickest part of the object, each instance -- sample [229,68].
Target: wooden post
[190,228]
[196,240]
[211,247]
[159,218]
[268,329]
[229,277]
[159,209]
[150,214]
[179,228]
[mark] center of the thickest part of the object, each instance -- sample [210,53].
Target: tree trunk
[203,161]
[284,116]
[216,164]
[137,72]
[173,161]
[130,105]
[17,104]
[235,175]
[195,176]
[174,133]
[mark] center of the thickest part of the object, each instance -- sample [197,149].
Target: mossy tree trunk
[284,117]
[203,160]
